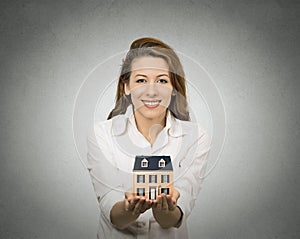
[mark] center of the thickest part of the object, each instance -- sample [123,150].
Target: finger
[132,203]
[126,204]
[171,203]
[149,203]
[159,203]
[146,206]
[175,195]
[164,204]
[138,206]
[129,197]
[130,207]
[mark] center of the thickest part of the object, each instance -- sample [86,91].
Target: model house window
[161,163]
[152,178]
[140,191]
[144,163]
[165,178]
[165,191]
[140,178]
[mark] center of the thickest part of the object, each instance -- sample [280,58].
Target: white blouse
[112,147]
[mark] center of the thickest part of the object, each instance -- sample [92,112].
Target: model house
[152,176]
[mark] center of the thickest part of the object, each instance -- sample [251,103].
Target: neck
[150,128]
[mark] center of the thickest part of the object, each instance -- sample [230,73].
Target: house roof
[152,163]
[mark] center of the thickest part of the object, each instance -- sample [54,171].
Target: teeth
[151,103]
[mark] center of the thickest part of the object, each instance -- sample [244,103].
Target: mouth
[151,103]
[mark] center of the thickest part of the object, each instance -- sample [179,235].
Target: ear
[126,89]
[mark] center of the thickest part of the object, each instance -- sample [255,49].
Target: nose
[151,90]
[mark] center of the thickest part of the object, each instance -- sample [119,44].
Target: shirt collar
[174,127]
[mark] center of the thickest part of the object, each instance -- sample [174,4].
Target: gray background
[249,47]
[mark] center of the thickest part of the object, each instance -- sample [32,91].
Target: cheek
[166,95]
[165,92]
[137,92]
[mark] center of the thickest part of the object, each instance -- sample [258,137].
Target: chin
[153,113]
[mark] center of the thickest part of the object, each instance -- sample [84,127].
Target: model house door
[152,193]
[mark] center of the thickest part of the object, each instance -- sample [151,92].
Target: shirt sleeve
[103,172]
[192,170]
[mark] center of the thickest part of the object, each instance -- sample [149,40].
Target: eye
[162,81]
[140,81]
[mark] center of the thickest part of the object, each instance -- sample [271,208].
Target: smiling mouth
[151,103]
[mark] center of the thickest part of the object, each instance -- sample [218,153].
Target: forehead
[149,63]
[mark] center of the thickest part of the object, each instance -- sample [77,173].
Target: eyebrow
[146,75]
[140,75]
[163,75]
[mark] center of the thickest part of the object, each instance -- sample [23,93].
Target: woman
[150,117]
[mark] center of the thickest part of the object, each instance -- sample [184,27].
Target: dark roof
[152,163]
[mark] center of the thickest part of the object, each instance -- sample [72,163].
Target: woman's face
[150,87]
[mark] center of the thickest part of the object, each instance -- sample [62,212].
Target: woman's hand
[165,203]
[125,212]
[136,204]
[165,210]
